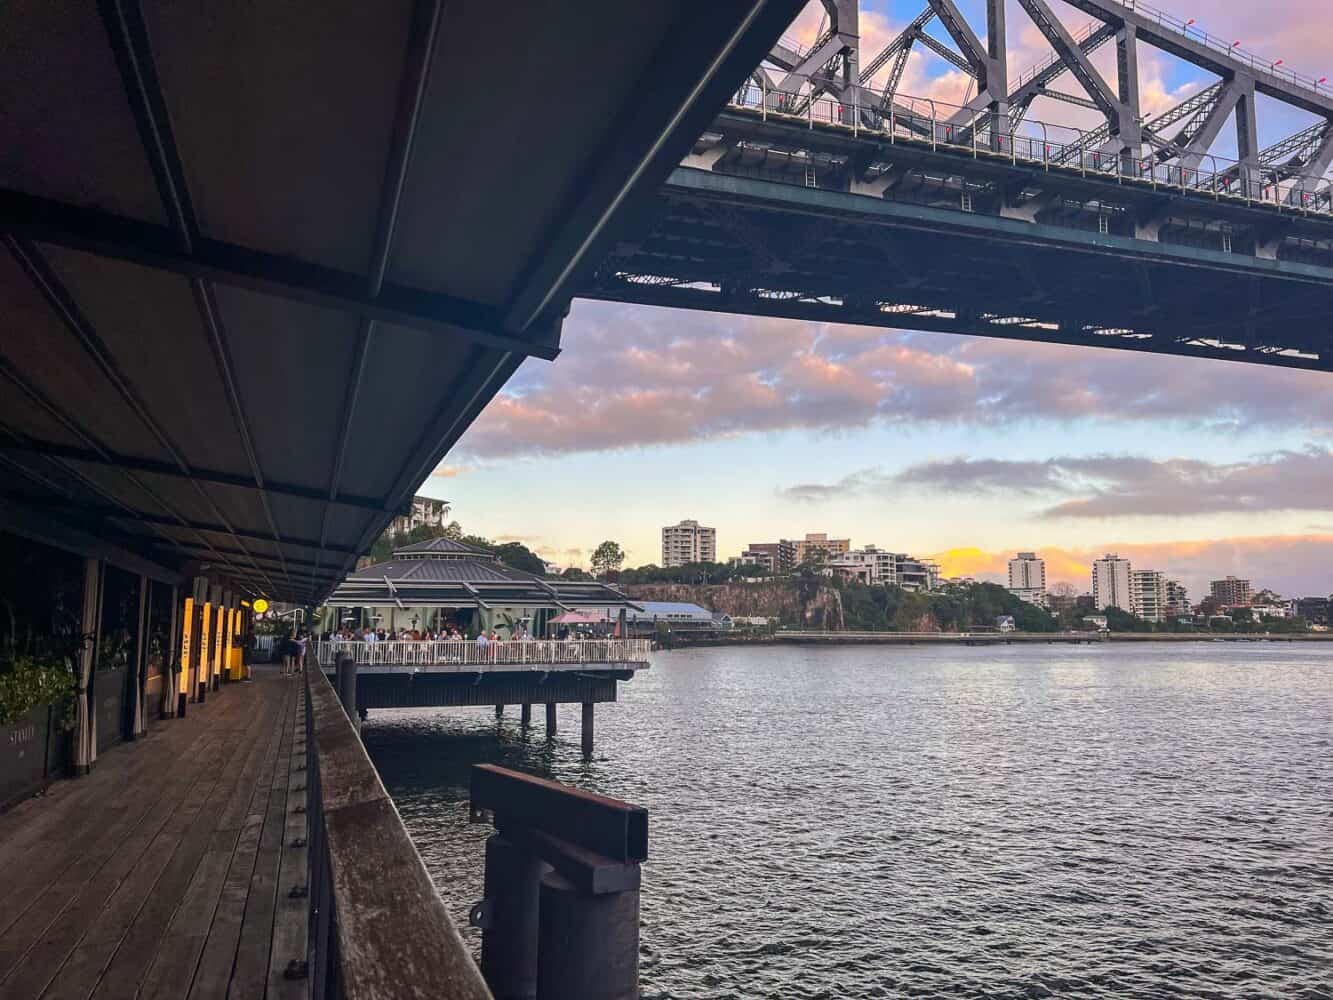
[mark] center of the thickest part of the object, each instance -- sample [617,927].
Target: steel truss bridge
[821,192]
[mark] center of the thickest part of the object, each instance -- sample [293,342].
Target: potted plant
[36,701]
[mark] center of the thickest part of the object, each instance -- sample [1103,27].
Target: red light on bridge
[1189,23]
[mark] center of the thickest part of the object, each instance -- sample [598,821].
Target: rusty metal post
[550,720]
[587,728]
[525,716]
[588,945]
[509,919]
[345,672]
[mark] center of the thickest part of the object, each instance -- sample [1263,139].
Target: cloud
[1293,565]
[1127,486]
[637,376]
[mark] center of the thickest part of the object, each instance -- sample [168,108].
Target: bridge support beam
[588,709]
[525,715]
[550,720]
[499,711]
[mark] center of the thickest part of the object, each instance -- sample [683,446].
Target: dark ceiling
[264,263]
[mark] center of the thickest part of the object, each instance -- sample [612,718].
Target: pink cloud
[637,376]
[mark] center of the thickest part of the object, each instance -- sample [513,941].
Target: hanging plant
[26,683]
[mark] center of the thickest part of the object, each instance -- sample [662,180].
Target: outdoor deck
[166,872]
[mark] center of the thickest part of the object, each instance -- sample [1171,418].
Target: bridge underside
[403,690]
[1025,257]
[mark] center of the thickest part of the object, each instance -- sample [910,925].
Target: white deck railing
[533,653]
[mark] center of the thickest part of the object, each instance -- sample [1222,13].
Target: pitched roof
[444,547]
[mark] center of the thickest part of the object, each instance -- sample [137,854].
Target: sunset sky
[958,447]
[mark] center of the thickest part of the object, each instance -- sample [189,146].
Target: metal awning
[263,264]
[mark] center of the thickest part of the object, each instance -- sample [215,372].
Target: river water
[1091,821]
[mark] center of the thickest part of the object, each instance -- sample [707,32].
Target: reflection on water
[1016,822]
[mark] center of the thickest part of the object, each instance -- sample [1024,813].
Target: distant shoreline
[982,639]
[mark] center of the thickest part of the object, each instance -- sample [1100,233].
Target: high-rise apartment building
[1177,600]
[1027,578]
[1112,586]
[424,510]
[776,557]
[820,542]
[1231,592]
[688,542]
[1150,594]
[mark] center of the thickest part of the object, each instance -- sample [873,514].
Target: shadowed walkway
[166,872]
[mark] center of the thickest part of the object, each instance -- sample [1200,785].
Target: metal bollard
[345,673]
[588,945]
[509,920]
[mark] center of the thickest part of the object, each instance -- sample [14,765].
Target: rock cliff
[792,602]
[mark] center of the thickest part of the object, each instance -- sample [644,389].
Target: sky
[965,449]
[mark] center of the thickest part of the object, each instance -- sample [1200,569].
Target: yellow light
[261,605]
[187,627]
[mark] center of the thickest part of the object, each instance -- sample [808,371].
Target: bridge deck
[165,872]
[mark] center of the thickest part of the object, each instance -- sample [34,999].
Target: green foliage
[574,573]
[607,557]
[1123,621]
[519,556]
[26,684]
[957,608]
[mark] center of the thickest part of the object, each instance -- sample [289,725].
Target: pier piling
[588,708]
[525,715]
[588,944]
[345,668]
[509,938]
[550,720]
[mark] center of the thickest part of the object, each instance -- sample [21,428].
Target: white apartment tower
[1112,583]
[688,542]
[1027,578]
[1151,595]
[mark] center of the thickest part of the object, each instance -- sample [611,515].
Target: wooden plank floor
[166,872]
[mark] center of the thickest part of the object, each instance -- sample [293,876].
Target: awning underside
[263,264]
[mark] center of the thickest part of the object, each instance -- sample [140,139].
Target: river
[1025,821]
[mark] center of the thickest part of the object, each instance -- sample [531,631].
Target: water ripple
[1000,823]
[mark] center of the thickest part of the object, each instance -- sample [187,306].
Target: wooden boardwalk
[167,871]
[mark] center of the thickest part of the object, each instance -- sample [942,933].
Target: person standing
[288,652]
[301,641]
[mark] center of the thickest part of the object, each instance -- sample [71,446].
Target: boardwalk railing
[378,927]
[533,653]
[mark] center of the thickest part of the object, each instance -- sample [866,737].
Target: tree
[574,573]
[607,557]
[519,556]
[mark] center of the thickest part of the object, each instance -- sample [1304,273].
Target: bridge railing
[523,653]
[918,120]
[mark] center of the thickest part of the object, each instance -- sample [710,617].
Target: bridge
[823,193]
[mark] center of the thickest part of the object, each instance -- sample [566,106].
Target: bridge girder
[1123,131]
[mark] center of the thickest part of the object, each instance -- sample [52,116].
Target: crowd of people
[447,633]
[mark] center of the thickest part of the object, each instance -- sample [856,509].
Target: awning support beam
[158,247]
